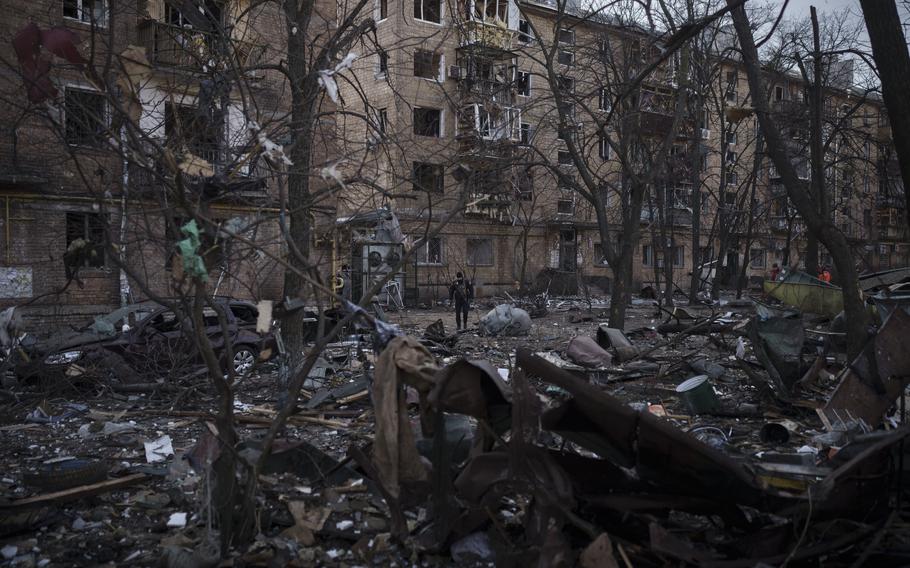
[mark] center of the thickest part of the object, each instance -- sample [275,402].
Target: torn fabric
[404,362]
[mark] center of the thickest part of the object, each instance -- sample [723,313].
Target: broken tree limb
[75,492]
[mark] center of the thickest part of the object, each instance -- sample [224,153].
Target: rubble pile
[726,435]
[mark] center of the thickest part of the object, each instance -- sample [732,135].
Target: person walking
[461,292]
[775,272]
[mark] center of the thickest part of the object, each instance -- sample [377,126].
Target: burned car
[146,339]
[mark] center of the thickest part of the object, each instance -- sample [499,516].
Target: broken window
[523,83]
[732,82]
[427,64]
[430,252]
[185,128]
[647,255]
[383,67]
[479,252]
[679,256]
[427,122]
[603,147]
[86,117]
[566,57]
[600,257]
[87,227]
[566,36]
[89,11]
[566,84]
[603,99]
[525,133]
[757,258]
[382,120]
[427,177]
[524,31]
[428,10]
[491,10]
[525,183]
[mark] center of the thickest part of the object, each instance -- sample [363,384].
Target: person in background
[775,272]
[343,282]
[824,274]
[461,292]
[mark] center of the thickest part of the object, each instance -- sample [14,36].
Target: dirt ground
[160,516]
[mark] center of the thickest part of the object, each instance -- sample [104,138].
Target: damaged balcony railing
[186,48]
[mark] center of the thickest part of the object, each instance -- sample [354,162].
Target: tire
[245,357]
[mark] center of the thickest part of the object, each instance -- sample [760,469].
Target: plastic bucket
[698,395]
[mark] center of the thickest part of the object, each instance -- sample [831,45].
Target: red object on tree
[36,68]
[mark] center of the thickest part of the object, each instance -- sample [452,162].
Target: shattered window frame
[647,255]
[428,65]
[86,11]
[757,258]
[184,128]
[430,253]
[426,10]
[425,124]
[89,227]
[85,118]
[479,251]
[428,177]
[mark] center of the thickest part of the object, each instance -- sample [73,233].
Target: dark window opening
[525,184]
[479,252]
[427,122]
[524,31]
[185,128]
[430,252]
[86,117]
[426,64]
[428,177]
[85,231]
[428,10]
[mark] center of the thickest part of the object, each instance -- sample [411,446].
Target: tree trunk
[304,93]
[824,229]
[816,150]
[889,49]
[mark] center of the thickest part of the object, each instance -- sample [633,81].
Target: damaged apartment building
[463,113]
[70,200]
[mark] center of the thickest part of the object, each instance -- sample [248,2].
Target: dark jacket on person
[461,291]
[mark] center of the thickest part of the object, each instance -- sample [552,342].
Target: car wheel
[245,357]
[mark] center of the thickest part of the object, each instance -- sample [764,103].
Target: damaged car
[147,338]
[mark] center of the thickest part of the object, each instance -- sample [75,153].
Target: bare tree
[824,228]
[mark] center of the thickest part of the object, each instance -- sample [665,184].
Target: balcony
[176,47]
[485,90]
[476,148]
[489,38]
[889,201]
[790,110]
[893,232]
[778,223]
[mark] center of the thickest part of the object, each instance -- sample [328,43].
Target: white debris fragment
[159,450]
[344,525]
[177,521]
[9,551]
[327,76]
[331,172]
